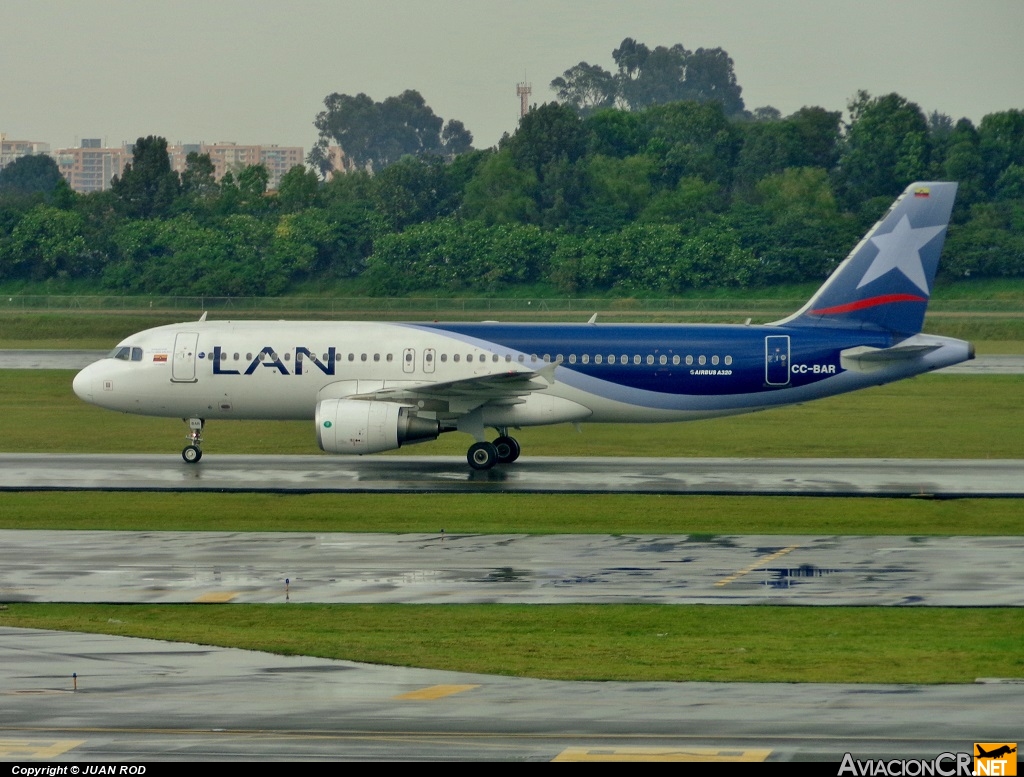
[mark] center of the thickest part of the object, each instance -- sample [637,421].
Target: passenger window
[572,358]
[287,357]
[392,358]
[714,360]
[663,359]
[598,359]
[586,358]
[376,357]
[444,357]
[624,359]
[650,360]
[675,359]
[362,357]
[636,359]
[455,357]
[728,360]
[702,360]
[689,360]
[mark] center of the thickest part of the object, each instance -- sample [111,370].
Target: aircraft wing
[467,394]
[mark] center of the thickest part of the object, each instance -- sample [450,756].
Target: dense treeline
[661,198]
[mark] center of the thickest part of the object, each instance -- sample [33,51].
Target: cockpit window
[126,353]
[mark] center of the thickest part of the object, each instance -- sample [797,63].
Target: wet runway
[350,568]
[944,478]
[157,700]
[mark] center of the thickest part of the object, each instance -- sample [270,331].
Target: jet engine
[358,426]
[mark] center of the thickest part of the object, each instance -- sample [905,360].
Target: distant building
[232,157]
[16,149]
[90,167]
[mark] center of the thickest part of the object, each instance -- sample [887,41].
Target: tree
[456,139]
[199,181]
[148,186]
[547,133]
[37,174]
[46,243]
[588,88]
[374,135]
[648,77]
[412,190]
[886,148]
[710,77]
[1001,143]
[501,193]
[297,189]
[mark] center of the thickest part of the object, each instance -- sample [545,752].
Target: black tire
[482,455]
[508,449]
[191,454]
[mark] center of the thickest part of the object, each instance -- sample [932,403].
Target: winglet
[593,319]
[885,283]
[548,372]
[203,317]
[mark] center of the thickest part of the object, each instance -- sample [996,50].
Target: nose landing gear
[192,453]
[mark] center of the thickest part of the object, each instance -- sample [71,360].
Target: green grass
[509,513]
[593,642]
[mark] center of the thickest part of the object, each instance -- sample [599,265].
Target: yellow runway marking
[691,754]
[44,749]
[755,565]
[216,597]
[435,692]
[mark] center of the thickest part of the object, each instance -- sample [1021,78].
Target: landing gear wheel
[192,452]
[482,455]
[508,449]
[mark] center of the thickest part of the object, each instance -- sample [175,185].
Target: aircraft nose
[82,385]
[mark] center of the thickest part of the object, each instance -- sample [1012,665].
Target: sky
[257,71]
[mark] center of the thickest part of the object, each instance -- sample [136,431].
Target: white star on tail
[901,250]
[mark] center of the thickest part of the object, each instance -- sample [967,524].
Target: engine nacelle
[358,426]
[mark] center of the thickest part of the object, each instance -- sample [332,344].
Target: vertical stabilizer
[886,281]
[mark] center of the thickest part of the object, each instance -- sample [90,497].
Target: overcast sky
[257,71]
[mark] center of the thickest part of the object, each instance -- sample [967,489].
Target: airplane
[372,386]
[1004,750]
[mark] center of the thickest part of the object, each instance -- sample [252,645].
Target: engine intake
[358,426]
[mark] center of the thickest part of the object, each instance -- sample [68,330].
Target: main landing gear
[484,455]
[192,453]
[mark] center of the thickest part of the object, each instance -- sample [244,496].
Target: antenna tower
[524,90]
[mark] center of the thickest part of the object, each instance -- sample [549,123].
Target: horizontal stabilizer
[863,358]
